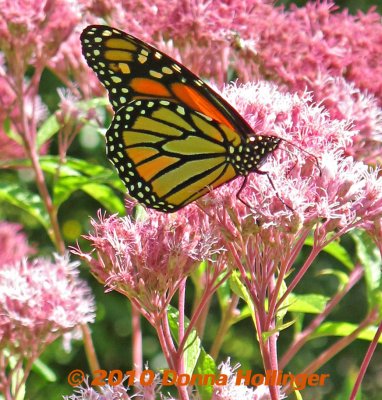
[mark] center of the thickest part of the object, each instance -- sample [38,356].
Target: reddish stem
[199,309]
[89,348]
[136,339]
[365,362]
[29,138]
[164,334]
[181,309]
[273,304]
[313,254]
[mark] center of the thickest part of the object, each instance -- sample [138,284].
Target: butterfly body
[172,138]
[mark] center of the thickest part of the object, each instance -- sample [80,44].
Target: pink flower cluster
[40,300]
[323,183]
[14,245]
[31,33]
[106,392]
[333,55]
[146,259]
[34,30]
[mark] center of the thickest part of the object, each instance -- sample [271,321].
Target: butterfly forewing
[132,69]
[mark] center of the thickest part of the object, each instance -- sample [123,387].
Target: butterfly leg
[274,188]
[271,183]
[240,190]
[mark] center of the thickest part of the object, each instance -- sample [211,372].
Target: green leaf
[74,174]
[199,273]
[7,128]
[344,329]
[342,277]
[245,313]
[65,186]
[95,180]
[105,196]
[71,166]
[370,258]
[205,366]
[238,288]
[197,361]
[278,328]
[27,201]
[281,312]
[86,105]
[75,166]
[335,250]
[51,125]
[140,213]
[47,130]
[298,319]
[224,295]
[44,370]
[197,277]
[307,303]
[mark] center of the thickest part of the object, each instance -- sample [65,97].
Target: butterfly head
[253,153]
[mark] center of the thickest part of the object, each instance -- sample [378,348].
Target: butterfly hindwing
[167,154]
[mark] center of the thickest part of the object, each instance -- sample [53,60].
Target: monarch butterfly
[172,137]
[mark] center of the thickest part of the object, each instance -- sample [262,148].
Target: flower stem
[29,138]
[365,362]
[136,339]
[89,348]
